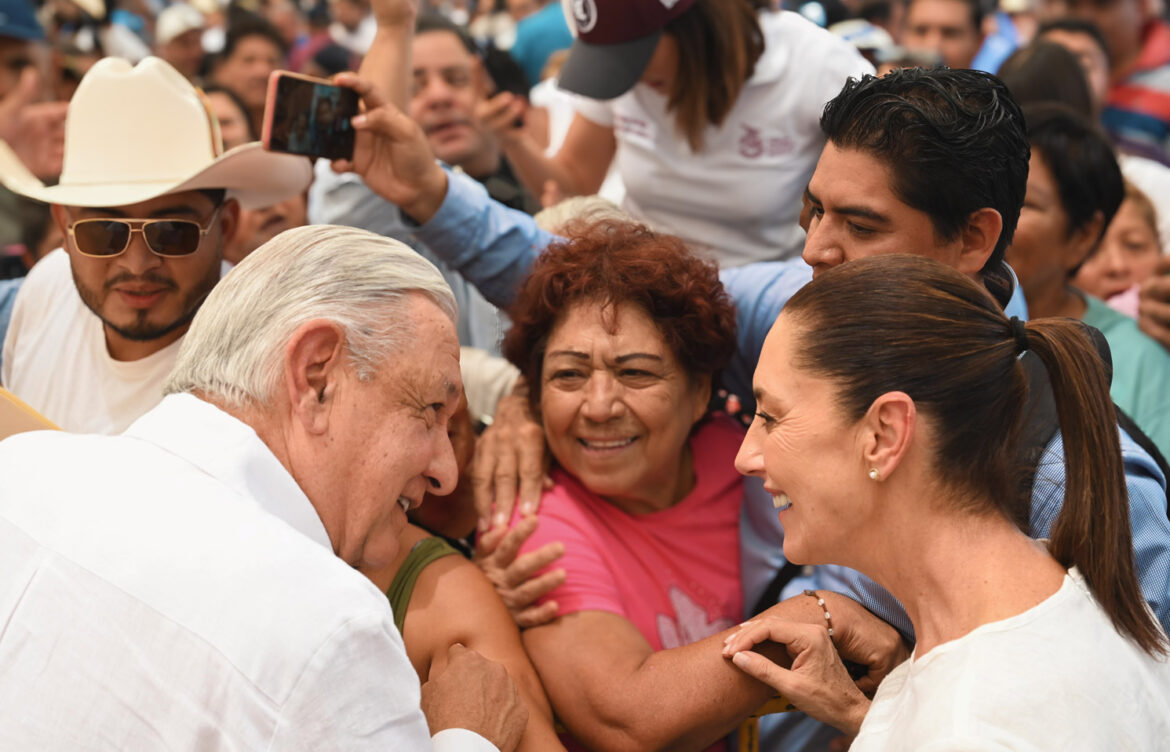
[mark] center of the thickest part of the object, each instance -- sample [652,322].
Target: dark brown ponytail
[1092,531]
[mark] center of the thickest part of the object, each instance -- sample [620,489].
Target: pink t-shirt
[674,574]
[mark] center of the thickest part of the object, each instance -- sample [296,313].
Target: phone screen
[309,116]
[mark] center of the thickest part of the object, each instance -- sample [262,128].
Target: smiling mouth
[608,443]
[405,503]
[781,501]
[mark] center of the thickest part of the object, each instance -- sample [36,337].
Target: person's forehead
[440,48]
[951,12]
[256,44]
[182,203]
[847,175]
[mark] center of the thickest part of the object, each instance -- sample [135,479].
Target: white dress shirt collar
[229,450]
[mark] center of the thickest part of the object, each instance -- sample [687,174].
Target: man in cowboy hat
[145,203]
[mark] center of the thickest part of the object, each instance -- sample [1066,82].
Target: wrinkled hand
[863,638]
[392,155]
[1154,304]
[35,132]
[394,12]
[510,458]
[817,682]
[476,694]
[500,114]
[512,576]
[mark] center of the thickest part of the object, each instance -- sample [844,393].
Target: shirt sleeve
[593,110]
[590,583]
[461,740]
[492,246]
[1148,519]
[759,292]
[360,692]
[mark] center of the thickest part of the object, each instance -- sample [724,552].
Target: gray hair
[234,349]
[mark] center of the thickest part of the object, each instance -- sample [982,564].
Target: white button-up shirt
[173,588]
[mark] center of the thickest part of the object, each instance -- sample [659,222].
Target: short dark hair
[243,25]
[613,263]
[1088,178]
[1047,72]
[1076,26]
[974,7]
[954,141]
[429,22]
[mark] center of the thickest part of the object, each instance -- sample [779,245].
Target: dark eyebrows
[171,211]
[619,360]
[861,212]
[568,353]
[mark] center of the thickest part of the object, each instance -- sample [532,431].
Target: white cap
[175,20]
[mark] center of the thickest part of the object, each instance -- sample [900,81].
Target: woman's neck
[955,572]
[1055,300]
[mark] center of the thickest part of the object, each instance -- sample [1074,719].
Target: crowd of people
[690,374]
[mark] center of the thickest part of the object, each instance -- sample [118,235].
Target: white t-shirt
[56,360]
[740,197]
[1056,677]
[174,588]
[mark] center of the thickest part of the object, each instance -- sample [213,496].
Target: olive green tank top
[421,555]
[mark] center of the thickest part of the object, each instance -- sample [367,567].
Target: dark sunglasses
[105,238]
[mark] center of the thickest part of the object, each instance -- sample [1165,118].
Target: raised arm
[387,63]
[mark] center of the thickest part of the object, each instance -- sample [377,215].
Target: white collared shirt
[173,588]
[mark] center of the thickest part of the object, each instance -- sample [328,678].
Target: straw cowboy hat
[136,133]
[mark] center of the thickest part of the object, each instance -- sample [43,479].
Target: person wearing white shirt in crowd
[143,209]
[192,582]
[711,120]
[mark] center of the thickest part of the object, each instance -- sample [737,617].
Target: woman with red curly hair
[620,333]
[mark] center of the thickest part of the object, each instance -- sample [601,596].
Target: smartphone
[309,116]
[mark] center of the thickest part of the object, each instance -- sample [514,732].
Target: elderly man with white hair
[191,584]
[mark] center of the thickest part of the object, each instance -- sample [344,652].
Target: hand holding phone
[309,116]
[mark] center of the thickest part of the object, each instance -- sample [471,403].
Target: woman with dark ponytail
[890,403]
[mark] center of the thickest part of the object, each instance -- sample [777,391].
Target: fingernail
[527,508]
[499,520]
[741,659]
[359,121]
[482,525]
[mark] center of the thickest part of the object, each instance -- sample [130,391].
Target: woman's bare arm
[453,602]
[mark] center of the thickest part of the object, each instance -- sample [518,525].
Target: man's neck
[482,165]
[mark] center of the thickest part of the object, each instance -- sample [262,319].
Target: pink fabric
[675,573]
[1126,302]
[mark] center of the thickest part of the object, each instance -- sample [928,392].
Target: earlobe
[980,237]
[890,426]
[313,365]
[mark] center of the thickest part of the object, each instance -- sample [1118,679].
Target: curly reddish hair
[612,263]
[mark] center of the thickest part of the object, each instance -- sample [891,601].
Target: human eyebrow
[568,354]
[619,360]
[176,211]
[860,212]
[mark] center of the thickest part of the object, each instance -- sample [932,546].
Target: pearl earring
[873,474]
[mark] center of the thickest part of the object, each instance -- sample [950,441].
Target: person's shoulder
[49,277]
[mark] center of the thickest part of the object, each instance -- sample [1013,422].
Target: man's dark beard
[141,330]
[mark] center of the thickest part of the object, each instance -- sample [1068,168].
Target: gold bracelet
[821,603]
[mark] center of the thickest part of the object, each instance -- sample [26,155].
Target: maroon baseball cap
[615,41]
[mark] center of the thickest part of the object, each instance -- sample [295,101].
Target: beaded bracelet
[821,603]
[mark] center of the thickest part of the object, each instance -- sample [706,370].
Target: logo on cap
[585,14]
